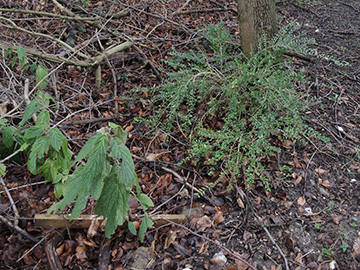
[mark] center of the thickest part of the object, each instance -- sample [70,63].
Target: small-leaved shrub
[232,107]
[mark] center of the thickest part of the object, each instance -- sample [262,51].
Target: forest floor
[309,220]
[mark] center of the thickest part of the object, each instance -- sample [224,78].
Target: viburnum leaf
[34,132]
[43,118]
[98,182]
[145,224]
[132,228]
[119,132]
[113,203]
[8,136]
[145,201]
[56,138]
[21,55]
[2,169]
[121,152]
[87,148]
[41,73]
[96,159]
[30,109]
[38,149]
[72,188]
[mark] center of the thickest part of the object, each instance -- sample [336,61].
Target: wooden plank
[84,221]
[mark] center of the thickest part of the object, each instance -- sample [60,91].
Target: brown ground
[326,181]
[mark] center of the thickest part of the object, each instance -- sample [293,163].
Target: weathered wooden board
[84,221]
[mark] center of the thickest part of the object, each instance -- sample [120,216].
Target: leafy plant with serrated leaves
[23,63]
[107,173]
[45,146]
[103,169]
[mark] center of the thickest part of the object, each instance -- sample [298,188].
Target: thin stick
[23,186]
[242,195]
[18,229]
[13,206]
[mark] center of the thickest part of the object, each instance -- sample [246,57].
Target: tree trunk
[255,17]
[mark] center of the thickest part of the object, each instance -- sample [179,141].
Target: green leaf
[113,203]
[87,148]
[34,132]
[145,224]
[72,188]
[98,182]
[44,98]
[43,118]
[79,205]
[145,201]
[96,160]
[2,169]
[132,228]
[32,68]
[56,138]
[41,73]
[121,152]
[8,52]
[8,136]
[21,55]
[58,190]
[30,109]
[38,149]
[118,132]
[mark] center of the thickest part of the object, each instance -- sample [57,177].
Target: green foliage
[41,71]
[233,109]
[103,169]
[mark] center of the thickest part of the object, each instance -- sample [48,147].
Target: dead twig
[18,229]
[12,203]
[243,196]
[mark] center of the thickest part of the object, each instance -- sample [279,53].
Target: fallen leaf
[240,203]
[298,180]
[153,156]
[203,223]
[320,171]
[326,184]
[239,264]
[218,218]
[356,248]
[301,201]
[28,259]
[337,218]
[170,239]
[81,253]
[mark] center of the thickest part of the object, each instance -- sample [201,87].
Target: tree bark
[255,17]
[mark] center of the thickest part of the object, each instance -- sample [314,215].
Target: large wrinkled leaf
[30,109]
[34,132]
[56,138]
[87,148]
[120,152]
[38,150]
[41,73]
[43,118]
[119,132]
[8,136]
[113,203]
[96,159]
